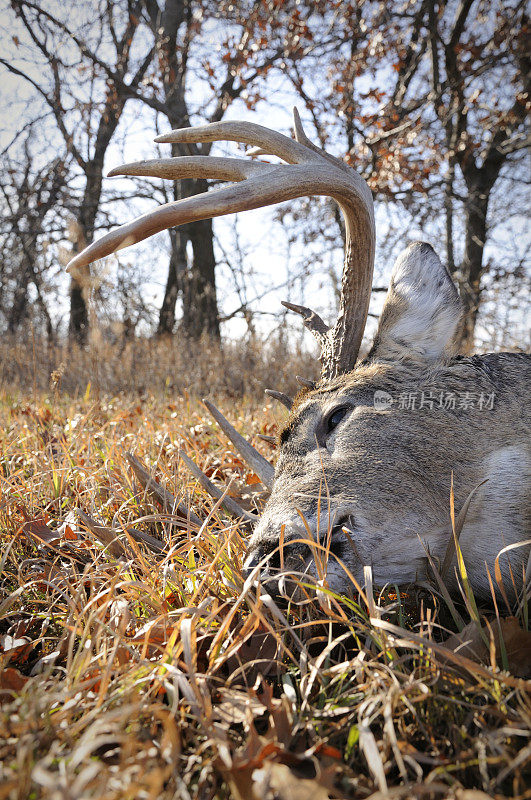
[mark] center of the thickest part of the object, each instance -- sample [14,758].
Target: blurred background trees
[427,99]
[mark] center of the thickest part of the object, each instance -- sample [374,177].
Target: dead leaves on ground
[501,642]
[156,668]
[11,680]
[274,765]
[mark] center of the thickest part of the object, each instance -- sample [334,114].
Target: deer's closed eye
[335,417]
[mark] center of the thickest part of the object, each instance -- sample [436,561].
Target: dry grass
[167,367]
[132,671]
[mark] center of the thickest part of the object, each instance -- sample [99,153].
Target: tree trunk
[80,283]
[472,266]
[200,307]
[200,312]
[449,217]
[19,308]
[196,281]
[78,324]
[174,283]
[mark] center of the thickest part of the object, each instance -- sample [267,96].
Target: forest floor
[137,662]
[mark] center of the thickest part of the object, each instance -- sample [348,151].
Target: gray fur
[387,471]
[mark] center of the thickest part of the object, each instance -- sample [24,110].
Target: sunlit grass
[150,668]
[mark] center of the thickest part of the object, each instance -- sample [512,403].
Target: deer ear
[421,311]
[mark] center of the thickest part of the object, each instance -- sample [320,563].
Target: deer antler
[308,171]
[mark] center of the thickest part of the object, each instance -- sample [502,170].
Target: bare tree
[30,195]
[86,95]
[429,99]
[483,129]
[251,38]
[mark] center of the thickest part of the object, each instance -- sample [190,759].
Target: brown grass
[129,672]
[167,367]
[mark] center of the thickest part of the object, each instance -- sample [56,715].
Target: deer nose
[268,560]
[274,572]
[267,572]
[250,564]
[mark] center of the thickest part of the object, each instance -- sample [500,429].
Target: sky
[265,247]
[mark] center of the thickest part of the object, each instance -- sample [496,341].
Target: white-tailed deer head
[368,453]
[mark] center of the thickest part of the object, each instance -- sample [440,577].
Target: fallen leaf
[281,715]
[254,657]
[11,680]
[39,529]
[517,646]
[153,637]
[15,648]
[235,707]
[278,782]
[329,751]
[470,642]
[70,528]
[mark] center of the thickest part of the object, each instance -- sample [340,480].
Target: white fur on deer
[383,471]
[368,454]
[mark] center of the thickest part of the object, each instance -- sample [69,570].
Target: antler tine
[273,185]
[305,382]
[256,461]
[257,151]
[281,397]
[309,172]
[301,137]
[254,193]
[224,169]
[231,505]
[246,132]
[312,321]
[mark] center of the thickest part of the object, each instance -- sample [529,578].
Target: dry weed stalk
[137,662]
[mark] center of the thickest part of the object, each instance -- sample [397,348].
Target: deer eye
[335,418]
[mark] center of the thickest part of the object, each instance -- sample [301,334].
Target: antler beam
[307,171]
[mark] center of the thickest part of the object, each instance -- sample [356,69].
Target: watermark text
[434,400]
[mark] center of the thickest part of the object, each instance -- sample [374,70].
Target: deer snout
[255,559]
[269,560]
[278,530]
[274,549]
[283,555]
[278,572]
